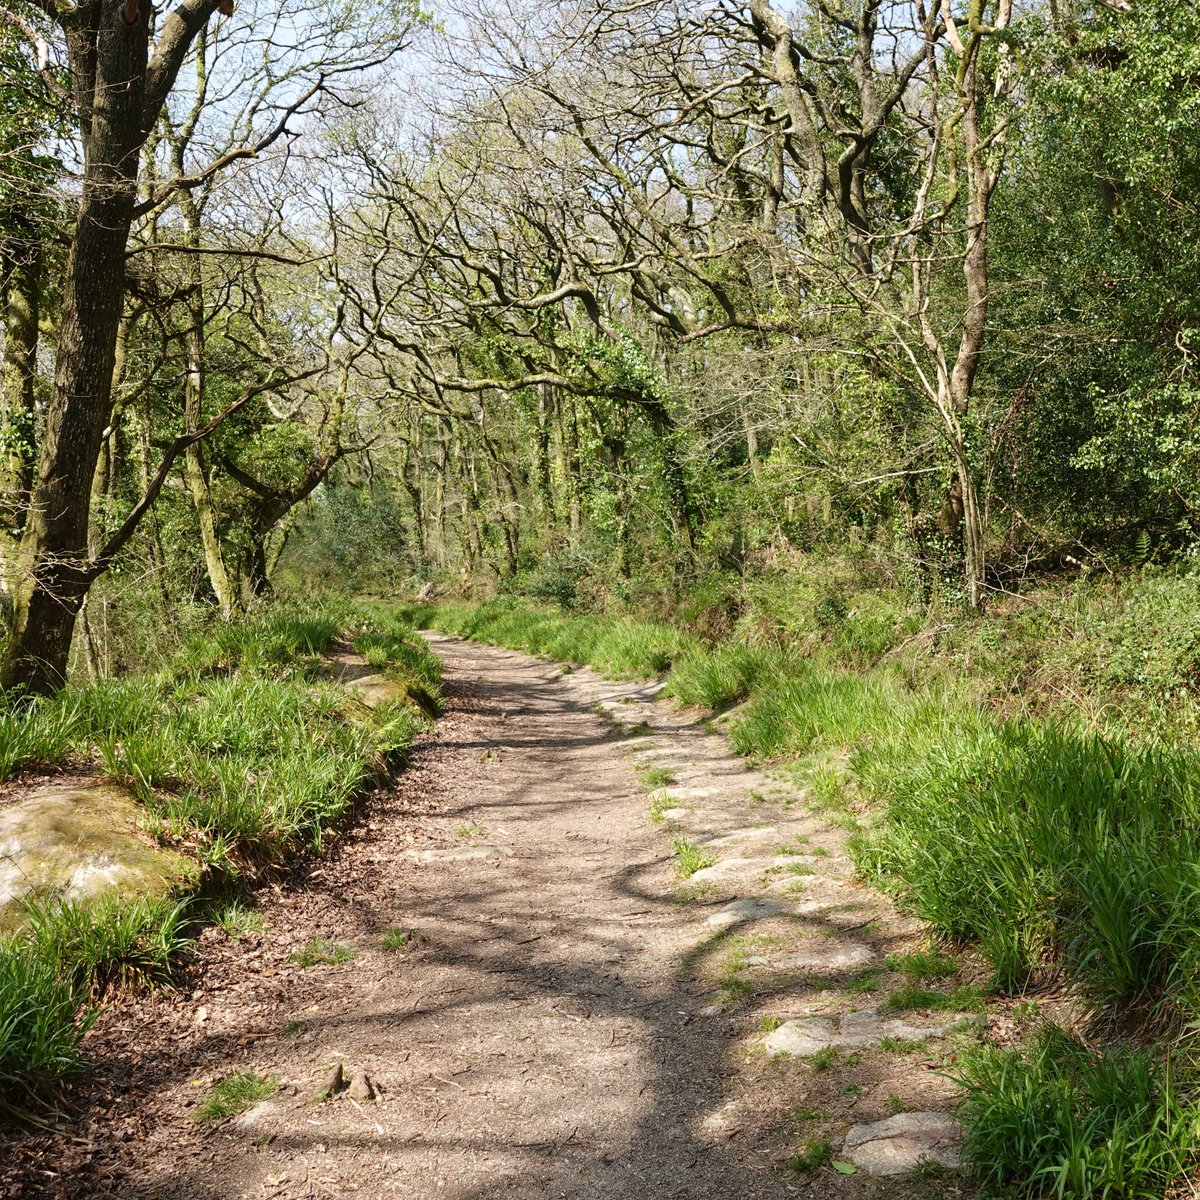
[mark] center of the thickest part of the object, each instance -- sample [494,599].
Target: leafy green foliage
[42,1022]
[1059,1119]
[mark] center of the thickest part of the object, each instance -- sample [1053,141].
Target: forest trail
[565,1021]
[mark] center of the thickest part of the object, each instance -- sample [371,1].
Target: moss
[81,842]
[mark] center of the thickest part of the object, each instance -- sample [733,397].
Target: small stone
[335,1081]
[360,1088]
[901,1143]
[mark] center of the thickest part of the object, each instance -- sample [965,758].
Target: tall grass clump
[726,675]
[35,732]
[108,943]
[1057,1119]
[282,640]
[42,1023]
[1050,846]
[814,707]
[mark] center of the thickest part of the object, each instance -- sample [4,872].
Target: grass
[237,920]
[653,778]
[923,965]
[243,753]
[234,1094]
[810,1156]
[474,829]
[320,952]
[660,804]
[906,999]
[109,943]
[1057,1118]
[689,858]
[395,938]
[43,1020]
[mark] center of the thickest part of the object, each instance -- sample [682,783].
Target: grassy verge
[242,752]
[1057,851]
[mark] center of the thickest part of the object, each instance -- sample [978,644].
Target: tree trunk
[22,306]
[118,94]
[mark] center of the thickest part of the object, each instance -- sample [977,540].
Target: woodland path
[565,1021]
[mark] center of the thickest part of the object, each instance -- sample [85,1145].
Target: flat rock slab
[852,914]
[694,793]
[902,1143]
[458,854]
[832,955]
[732,870]
[735,837]
[81,842]
[743,911]
[857,1031]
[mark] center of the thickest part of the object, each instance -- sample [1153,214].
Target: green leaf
[844,1168]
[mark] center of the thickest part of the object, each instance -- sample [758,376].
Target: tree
[121,75]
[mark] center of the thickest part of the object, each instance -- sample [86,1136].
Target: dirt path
[563,1023]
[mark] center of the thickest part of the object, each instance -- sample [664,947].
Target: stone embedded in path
[740,911]
[856,1031]
[694,793]
[80,842]
[736,836]
[732,870]
[830,955]
[853,914]
[901,1143]
[458,854]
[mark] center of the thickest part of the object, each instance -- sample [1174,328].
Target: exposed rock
[742,911]
[729,870]
[737,836]
[901,1143]
[830,955]
[262,1114]
[458,853]
[360,1088]
[80,842]
[333,1083]
[724,1122]
[855,1031]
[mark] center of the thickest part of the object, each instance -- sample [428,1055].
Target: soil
[567,1019]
